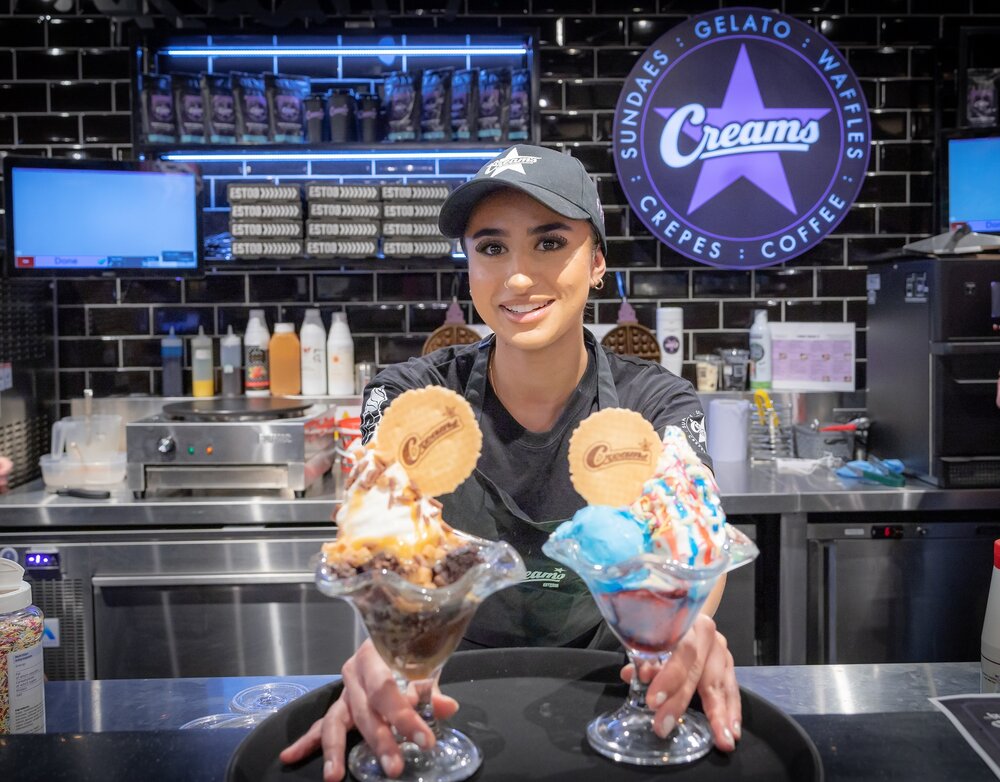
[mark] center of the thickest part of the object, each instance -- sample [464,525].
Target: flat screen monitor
[972,171]
[70,217]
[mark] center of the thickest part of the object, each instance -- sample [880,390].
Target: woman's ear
[599,266]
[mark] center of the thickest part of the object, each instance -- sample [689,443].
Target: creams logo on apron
[551,579]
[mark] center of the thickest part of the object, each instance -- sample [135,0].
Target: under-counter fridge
[898,587]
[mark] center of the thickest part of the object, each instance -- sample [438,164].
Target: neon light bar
[222,157]
[343,51]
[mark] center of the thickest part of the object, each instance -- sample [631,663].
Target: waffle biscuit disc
[612,453]
[449,334]
[432,432]
[632,339]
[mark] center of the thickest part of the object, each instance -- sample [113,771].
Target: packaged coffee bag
[286,96]
[494,103]
[367,114]
[190,109]
[316,128]
[158,123]
[519,119]
[464,104]
[252,117]
[435,98]
[401,106]
[220,108]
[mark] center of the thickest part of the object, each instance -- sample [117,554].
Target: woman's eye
[490,248]
[550,243]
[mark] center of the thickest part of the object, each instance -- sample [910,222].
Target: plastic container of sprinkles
[22,678]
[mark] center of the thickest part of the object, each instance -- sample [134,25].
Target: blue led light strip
[343,51]
[222,157]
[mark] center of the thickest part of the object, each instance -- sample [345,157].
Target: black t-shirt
[532,467]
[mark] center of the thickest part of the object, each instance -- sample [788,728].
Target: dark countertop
[868,722]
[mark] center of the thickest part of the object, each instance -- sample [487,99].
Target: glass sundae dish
[651,546]
[414,580]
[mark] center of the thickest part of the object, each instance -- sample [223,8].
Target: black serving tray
[527,709]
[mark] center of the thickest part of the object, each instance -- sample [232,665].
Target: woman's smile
[525,312]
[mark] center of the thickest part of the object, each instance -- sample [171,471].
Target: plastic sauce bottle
[22,678]
[340,357]
[202,366]
[255,364]
[171,356]
[760,351]
[313,339]
[286,378]
[230,355]
[990,648]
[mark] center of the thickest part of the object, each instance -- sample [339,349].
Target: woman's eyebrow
[489,232]
[548,227]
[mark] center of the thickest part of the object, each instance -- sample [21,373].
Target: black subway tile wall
[64,92]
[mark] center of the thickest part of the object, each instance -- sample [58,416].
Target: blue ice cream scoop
[605,535]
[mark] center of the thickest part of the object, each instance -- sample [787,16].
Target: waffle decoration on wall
[630,338]
[454,331]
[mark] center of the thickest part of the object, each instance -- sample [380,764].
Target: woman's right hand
[372,703]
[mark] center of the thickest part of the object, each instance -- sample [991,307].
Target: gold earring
[599,285]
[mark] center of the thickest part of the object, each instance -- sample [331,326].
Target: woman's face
[530,269]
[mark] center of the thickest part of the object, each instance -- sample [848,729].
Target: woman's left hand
[701,661]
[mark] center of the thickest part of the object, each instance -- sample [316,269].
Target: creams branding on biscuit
[432,432]
[611,454]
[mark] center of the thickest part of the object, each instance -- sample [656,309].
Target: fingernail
[738,730]
[420,740]
[667,726]
[328,769]
[659,698]
[728,736]
[384,761]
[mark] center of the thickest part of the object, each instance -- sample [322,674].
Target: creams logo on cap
[512,160]
[741,138]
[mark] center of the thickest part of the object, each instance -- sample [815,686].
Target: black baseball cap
[558,181]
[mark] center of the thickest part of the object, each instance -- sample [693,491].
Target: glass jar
[22,677]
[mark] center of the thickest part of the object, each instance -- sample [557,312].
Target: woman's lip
[526,317]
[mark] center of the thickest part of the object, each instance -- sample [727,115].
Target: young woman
[533,231]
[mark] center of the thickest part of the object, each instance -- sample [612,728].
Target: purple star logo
[741,105]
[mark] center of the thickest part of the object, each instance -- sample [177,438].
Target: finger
[715,690]
[735,703]
[397,709]
[444,706]
[304,746]
[335,725]
[376,731]
[627,673]
[671,690]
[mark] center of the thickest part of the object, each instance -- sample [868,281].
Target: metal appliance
[933,365]
[231,443]
[169,603]
[898,587]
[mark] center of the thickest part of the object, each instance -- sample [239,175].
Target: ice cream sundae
[651,546]
[415,581]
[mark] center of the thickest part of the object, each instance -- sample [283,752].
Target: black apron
[553,606]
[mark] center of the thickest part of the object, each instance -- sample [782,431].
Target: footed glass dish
[650,602]
[415,631]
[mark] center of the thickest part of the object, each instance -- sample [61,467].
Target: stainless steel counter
[746,489]
[166,704]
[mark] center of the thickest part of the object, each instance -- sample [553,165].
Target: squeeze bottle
[171,353]
[340,357]
[760,351]
[230,355]
[202,369]
[286,379]
[255,363]
[312,337]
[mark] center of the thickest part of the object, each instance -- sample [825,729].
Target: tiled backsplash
[64,91]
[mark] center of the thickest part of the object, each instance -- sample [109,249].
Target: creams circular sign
[741,138]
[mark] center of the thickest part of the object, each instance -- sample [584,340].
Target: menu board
[812,356]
